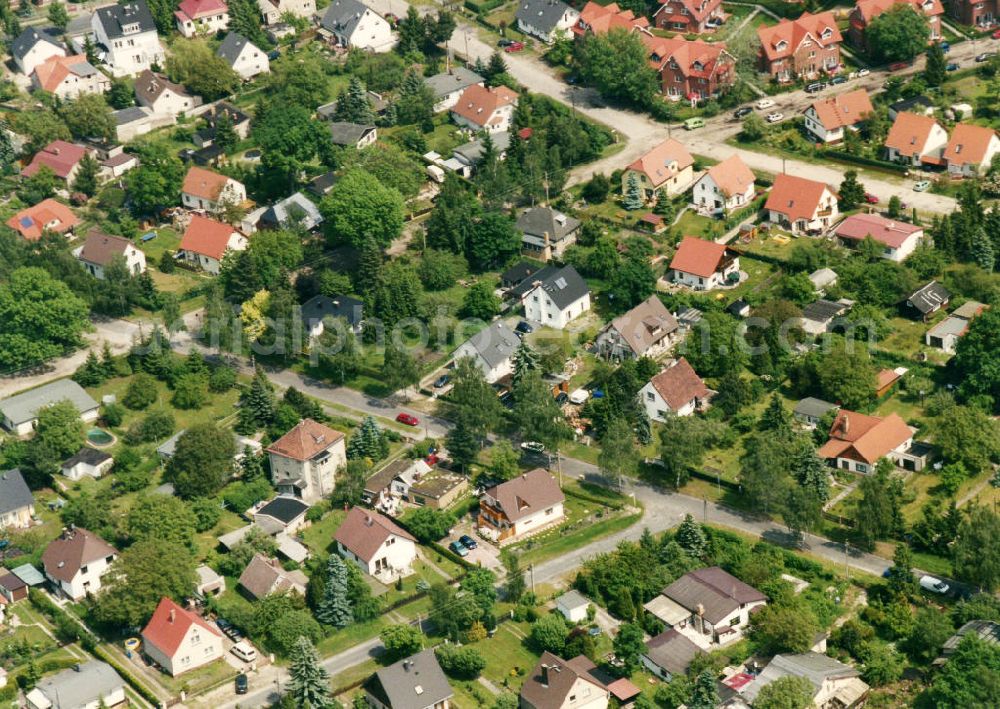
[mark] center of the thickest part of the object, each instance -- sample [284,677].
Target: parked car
[244,650]
[459,548]
[468,541]
[507,399]
[442,381]
[742,111]
[837,80]
[951,67]
[514,47]
[922,186]
[408,419]
[242,684]
[774,117]
[533,447]
[863,72]
[764,103]
[692,123]
[996,35]
[898,66]
[945,47]
[562,397]
[815,87]
[870,198]
[524,327]
[929,583]
[985,56]
[505,42]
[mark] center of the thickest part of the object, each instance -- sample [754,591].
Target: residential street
[642,133]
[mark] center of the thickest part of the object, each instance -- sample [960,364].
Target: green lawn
[181,280]
[508,659]
[319,535]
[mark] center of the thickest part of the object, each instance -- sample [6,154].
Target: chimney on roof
[55,151]
[171,616]
[407,664]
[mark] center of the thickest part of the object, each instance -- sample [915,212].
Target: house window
[650,396]
[549,511]
[83,569]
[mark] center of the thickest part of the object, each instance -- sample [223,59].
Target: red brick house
[691,69]
[802,48]
[867,10]
[601,19]
[978,13]
[689,16]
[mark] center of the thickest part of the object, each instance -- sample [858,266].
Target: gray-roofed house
[717,605]
[162,96]
[519,272]
[100,250]
[320,307]
[822,315]
[352,135]
[210,583]
[17,504]
[927,300]
[243,56]
[294,210]
[669,654]
[470,154]
[126,33]
[82,686]
[378,103]
[87,462]
[823,278]
[810,410]
[492,349]
[834,683]
[647,330]
[264,576]
[352,24]
[448,86]
[946,334]
[34,45]
[132,122]
[416,682]
[546,19]
[238,119]
[920,105]
[322,185]
[573,606]
[986,630]
[20,412]
[558,299]
[285,513]
[547,233]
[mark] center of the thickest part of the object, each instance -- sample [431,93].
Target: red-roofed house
[800,205]
[668,168]
[179,640]
[59,156]
[867,10]
[724,186]
[970,149]
[703,264]
[379,546]
[204,189]
[916,139]
[47,215]
[201,17]
[691,69]
[898,239]
[689,16]
[976,13]
[206,241]
[304,460]
[676,391]
[601,19]
[520,507]
[828,118]
[801,48]
[857,442]
[480,108]
[69,77]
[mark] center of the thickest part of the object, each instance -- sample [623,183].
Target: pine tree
[495,69]
[705,694]
[366,441]
[225,133]
[525,359]
[633,193]
[335,608]
[811,472]
[982,250]
[900,575]
[353,105]
[463,444]
[369,268]
[664,206]
[309,684]
[776,417]
[7,153]
[108,366]
[257,405]
[691,538]
[90,373]
[86,177]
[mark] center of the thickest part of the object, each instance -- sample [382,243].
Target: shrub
[460,662]
[141,392]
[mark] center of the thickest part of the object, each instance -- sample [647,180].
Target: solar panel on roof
[27,222]
[560,283]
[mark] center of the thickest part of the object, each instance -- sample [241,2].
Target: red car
[996,35]
[514,47]
[870,198]
[408,419]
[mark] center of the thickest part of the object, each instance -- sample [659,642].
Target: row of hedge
[868,162]
[481,7]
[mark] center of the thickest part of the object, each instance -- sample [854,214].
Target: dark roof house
[712,592]
[416,682]
[14,492]
[556,683]
[671,652]
[76,548]
[319,307]
[116,18]
[364,531]
[564,286]
[349,134]
[928,299]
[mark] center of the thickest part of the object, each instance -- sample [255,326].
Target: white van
[244,650]
[929,583]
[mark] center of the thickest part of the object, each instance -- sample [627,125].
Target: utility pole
[531,572]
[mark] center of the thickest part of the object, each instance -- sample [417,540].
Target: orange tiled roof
[969,144]
[206,237]
[795,197]
[305,440]
[731,176]
[698,256]
[478,103]
[55,69]
[203,183]
[663,162]
[600,19]
[908,131]
[784,38]
[47,215]
[843,110]
[694,57]
[867,438]
[870,9]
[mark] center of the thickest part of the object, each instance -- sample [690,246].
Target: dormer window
[782,44]
[827,33]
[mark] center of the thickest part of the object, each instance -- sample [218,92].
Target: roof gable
[207,237]
[970,144]
[527,494]
[796,197]
[169,626]
[678,384]
[305,440]
[364,531]
[663,162]
[64,557]
[910,132]
[698,256]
